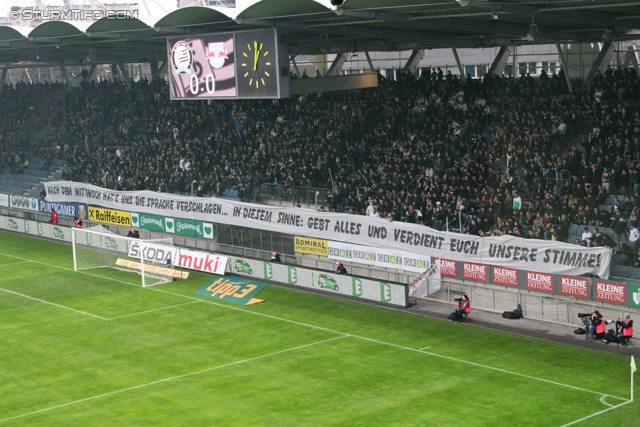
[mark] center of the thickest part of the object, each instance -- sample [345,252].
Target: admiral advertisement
[308,245]
[69,210]
[504,251]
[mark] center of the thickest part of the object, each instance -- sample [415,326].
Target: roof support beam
[631,58]
[162,72]
[91,71]
[607,50]
[413,61]
[366,53]
[455,54]
[337,64]
[125,74]
[500,61]
[295,67]
[153,65]
[563,63]
[65,75]
[3,78]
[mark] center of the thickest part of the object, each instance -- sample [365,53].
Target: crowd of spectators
[484,155]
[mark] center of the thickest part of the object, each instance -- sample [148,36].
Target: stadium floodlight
[98,247]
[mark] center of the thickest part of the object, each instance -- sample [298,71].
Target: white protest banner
[507,251]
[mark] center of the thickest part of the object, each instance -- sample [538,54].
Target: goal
[98,247]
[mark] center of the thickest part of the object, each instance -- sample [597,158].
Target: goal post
[97,247]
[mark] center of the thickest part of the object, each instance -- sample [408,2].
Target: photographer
[626,329]
[596,327]
[464,306]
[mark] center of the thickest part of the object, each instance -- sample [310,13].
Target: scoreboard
[246,64]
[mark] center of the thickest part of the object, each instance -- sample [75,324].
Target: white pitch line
[52,303]
[596,414]
[15,263]
[150,311]
[229,307]
[75,402]
[423,348]
[603,400]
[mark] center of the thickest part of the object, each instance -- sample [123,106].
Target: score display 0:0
[209,84]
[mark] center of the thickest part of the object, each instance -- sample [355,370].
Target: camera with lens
[610,321]
[457,299]
[581,315]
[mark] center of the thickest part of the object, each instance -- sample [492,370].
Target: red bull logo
[216,54]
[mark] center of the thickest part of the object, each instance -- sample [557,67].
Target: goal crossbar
[98,247]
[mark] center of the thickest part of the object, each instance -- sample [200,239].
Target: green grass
[297,359]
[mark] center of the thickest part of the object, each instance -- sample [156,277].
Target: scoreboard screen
[246,64]
[202,67]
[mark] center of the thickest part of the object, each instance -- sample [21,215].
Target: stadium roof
[316,27]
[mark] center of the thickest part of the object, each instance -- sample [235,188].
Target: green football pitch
[78,349]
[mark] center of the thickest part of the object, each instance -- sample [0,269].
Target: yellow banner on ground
[308,245]
[153,269]
[110,216]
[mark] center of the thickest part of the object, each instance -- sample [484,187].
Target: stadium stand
[483,156]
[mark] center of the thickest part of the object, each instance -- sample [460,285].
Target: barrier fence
[564,310]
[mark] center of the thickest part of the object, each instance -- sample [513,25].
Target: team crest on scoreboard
[216,54]
[182,57]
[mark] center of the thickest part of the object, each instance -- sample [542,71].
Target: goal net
[98,247]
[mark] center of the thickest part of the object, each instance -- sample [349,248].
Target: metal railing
[307,196]
[556,309]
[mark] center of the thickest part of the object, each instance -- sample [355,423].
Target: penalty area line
[164,380]
[53,303]
[597,413]
[151,311]
[14,263]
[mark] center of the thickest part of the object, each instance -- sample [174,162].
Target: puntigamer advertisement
[506,251]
